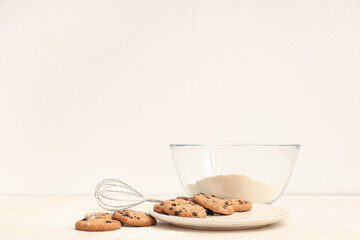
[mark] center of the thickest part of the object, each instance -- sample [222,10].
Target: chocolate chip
[209,211]
[108,221]
[213,195]
[226,203]
[194,214]
[84,219]
[127,215]
[173,204]
[171,208]
[177,213]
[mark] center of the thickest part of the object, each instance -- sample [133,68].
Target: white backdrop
[98,89]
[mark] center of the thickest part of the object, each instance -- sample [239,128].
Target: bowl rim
[232,145]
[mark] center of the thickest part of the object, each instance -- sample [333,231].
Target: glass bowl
[253,172]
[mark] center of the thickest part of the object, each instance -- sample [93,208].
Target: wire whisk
[112,194]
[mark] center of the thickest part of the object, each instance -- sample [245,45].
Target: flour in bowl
[236,186]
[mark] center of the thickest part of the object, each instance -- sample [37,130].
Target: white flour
[236,186]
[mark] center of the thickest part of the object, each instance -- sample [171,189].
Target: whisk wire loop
[110,192]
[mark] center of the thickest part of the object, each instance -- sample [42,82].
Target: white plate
[260,215]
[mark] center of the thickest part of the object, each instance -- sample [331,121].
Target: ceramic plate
[259,216]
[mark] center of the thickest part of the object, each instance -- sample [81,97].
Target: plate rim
[282,216]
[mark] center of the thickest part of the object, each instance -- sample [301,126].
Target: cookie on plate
[186,198]
[134,218]
[184,208]
[97,224]
[102,215]
[211,202]
[159,207]
[239,205]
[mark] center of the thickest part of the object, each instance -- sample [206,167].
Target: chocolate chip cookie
[102,215]
[186,198]
[239,205]
[184,208]
[159,207]
[97,224]
[134,218]
[211,202]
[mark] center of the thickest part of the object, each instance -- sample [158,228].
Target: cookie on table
[213,203]
[134,218]
[184,208]
[97,224]
[239,205]
[102,215]
[186,198]
[159,207]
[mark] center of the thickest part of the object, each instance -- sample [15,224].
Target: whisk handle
[153,200]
